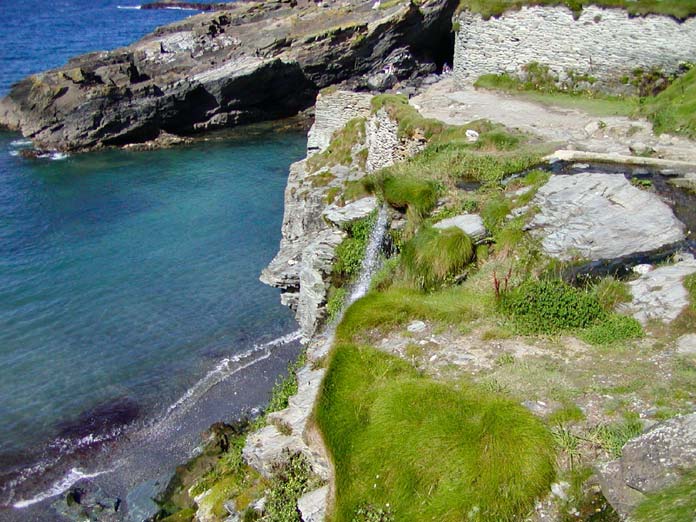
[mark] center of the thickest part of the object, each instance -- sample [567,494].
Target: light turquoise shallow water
[126,276]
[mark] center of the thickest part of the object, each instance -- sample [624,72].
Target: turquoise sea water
[126,276]
[128,280]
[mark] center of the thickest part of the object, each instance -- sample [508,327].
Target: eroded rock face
[253,61]
[651,462]
[600,216]
[660,293]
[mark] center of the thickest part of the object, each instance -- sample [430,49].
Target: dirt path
[571,128]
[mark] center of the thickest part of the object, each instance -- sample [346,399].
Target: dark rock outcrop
[252,62]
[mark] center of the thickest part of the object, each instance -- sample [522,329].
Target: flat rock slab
[651,462]
[600,216]
[470,224]
[686,345]
[660,293]
[312,505]
[351,212]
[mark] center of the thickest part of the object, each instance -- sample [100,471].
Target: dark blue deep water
[125,277]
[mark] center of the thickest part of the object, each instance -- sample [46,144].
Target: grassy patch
[424,449]
[290,481]
[409,119]
[615,328]
[351,251]
[612,437]
[409,193]
[397,305]
[676,503]
[334,305]
[547,92]
[674,109]
[433,257]
[679,9]
[339,151]
[611,292]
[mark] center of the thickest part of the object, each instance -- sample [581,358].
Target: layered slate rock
[660,294]
[600,216]
[351,212]
[649,463]
[251,62]
[470,224]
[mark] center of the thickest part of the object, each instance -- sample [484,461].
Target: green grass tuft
[613,329]
[424,449]
[434,256]
[611,292]
[676,503]
[613,437]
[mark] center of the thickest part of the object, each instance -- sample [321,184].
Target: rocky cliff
[254,61]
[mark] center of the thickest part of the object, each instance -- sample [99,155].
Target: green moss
[433,257]
[185,515]
[676,503]
[679,9]
[395,436]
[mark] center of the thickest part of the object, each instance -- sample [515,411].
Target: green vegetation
[334,304]
[679,9]
[433,257]
[613,329]
[285,387]
[339,151]
[351,251]
[674,109]
[290,481]
[541,86]
[676,503]
[406,192]
[410,121]
[612,437]
[398,305]
[395,436]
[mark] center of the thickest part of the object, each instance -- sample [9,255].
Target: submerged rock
[660,293]
[651,462]
[600,216]
[253,61]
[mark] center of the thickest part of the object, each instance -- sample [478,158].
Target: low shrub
[351,251]
[290,481]
[613,329]
[434,256]
[551,306]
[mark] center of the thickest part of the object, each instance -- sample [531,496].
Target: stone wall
[604,43]
[332,111]
[384,145]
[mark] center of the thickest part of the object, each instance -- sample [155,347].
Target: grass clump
[674,109]
[613,437]
[419,196]
[398,305]
[395,436]
[340,150]
[433,257]
[676,503]
[611,292]
[550,306]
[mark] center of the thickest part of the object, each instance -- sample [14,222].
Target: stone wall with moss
[333,110]
[608,45]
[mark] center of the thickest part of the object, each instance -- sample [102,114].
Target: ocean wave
[60,486]
[230,366]
[14,153]
[54,156]
[20,143]
[128,7]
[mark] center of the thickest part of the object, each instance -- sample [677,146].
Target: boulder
[600,216]
[351,212]
[686,345]
[660,293]
[471,224]
[649,463]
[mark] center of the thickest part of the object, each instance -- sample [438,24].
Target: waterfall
[370,263]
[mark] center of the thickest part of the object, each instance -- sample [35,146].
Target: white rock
[686,345]
[642,269]
[416,326]
[312,505]
[600,216]
[471,224]
[351,212]
[660,293]
[560,489]
[471,135]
